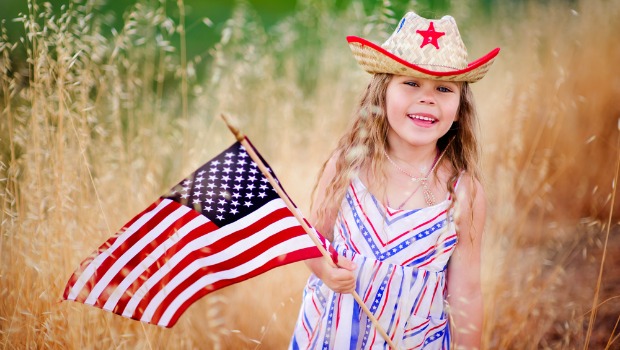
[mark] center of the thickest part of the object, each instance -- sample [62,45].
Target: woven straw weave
[404,52]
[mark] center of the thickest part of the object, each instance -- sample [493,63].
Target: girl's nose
[426,97]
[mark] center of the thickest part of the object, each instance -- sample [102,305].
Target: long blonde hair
[364,143]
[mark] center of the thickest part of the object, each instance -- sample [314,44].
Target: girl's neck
[418,157]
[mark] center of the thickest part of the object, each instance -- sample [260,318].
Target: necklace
[429,197]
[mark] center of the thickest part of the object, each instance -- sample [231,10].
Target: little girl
[401,202]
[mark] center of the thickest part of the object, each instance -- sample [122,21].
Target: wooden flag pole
[250,150]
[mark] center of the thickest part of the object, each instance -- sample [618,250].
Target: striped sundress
[401,258]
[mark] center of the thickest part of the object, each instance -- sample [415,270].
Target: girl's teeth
[423,118]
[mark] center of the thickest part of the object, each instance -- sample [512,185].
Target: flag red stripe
[139,256]
[306,253]
[105,246]
[155,266]
[213,248]
[117,253]
[235,260]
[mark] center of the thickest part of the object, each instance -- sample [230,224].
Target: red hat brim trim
[470,66]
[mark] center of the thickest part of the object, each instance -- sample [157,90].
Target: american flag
[221,225]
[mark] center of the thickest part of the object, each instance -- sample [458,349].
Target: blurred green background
[200,36]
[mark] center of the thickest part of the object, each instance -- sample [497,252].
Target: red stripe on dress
[346,224]
[386,293]
[359,204]
[417,227]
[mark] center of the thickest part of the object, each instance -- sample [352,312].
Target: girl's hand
[340,279]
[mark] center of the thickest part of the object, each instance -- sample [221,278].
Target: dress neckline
[361,183]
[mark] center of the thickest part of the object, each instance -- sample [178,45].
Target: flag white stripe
[285,247]
[231,252]
[134,250]
[151,258]
[199,243]
[99,259]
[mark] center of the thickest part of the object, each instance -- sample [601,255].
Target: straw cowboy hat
[423,48]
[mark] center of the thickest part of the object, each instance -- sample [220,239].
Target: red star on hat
[430,36]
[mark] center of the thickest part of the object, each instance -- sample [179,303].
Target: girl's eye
[411,83]
[443,89]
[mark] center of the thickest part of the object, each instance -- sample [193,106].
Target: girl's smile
[420,111]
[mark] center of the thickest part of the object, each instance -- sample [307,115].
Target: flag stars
[210,193]
[262,195]
[234,211]
[199,179]
[241,162]
[249,195]
[263,187]
[211,185]
[250,187]
[238,178]
[229,154]
[212,177]
[253,171]
[236,195]
[220,217]
[221,202]
[228,162]
[224,186]
[247,203]
[235,203]
[220,210]
[214,170]
[227,170]
[226,178]
[237,187]
[252,178]
[240,170]
[215,163]
[199,186]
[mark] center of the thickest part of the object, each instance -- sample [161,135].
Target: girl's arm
[464,292]
[339,279]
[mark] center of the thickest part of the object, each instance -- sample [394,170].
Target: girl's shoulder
[470,196]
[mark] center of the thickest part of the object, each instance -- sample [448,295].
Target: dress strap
[456,184]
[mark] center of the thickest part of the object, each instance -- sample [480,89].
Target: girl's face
[420,111]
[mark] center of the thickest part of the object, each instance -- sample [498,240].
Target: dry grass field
[95,127]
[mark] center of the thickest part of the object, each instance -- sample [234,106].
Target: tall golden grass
[95,128]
